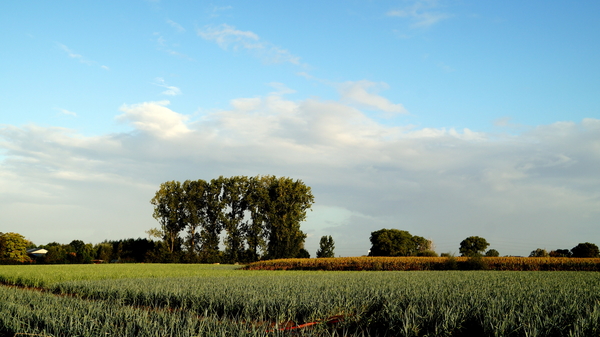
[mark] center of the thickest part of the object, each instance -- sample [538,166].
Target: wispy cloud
[171,90]
[162,45]
[363,94]
[422,13]
[79,57]
[67,112]
[227,37]
[218,9]
[177,26]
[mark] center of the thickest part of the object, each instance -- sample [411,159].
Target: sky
[447,119]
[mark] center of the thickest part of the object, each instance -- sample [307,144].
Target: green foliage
[170,213]
[326,247]
[473,246]
[539,253]
[476,262]
[303,254]
[492,253]
[260,217]
[394,242]
[585,250]
[427,253]
[13,248]
[561,253]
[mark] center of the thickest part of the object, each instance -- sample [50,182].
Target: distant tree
[57,253]
[13,248]
[473,246]
[303,254]
[492,253]
[395,242]
[79,252]
[585,250]
[103,251]
[539,253]
[561,253]
[326,247]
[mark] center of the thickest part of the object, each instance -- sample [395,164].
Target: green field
[219,300]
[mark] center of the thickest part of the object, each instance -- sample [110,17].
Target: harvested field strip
[431,263]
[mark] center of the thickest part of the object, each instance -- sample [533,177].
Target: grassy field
[219,300]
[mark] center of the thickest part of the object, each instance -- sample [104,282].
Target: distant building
[37,252]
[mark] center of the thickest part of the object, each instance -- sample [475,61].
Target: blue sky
[444,118]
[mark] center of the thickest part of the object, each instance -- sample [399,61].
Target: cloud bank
[536,189]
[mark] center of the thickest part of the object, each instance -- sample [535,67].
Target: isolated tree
[585,250]
[326,247]
[492,253]
[539,253]
[13,247]
[473,246]
[395,242]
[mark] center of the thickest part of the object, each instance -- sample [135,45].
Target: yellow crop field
[432,263]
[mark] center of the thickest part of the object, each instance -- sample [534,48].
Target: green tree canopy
[260,217]
[585,250]
[539,253]
[395,242]
[326,247]
[13,247]
[473,246]
[492,253]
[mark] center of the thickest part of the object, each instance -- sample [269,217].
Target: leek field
[221,300]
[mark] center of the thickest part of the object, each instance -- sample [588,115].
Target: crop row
[422,303]
[432,263]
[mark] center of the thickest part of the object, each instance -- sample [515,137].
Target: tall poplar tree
[170,213]
[212,224]
[235,200]
[286,206]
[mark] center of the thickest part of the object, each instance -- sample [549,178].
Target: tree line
[259,218]
[395,242]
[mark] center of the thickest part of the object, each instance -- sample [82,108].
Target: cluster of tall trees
[259,218]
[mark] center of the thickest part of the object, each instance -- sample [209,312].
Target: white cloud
[155,118]
[422,13]
[79,57]
[518,191]
[358,93]
[227,36]
[177,26]
[67,112]
[171,90]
